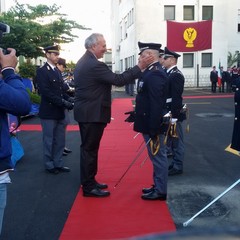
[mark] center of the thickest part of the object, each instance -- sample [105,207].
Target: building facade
[146,21]
[2,6]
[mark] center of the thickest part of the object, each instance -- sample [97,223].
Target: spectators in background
[214,79]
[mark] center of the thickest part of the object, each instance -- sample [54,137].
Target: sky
[94,14]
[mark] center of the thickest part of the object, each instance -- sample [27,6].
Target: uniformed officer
[174,104]
[236,128]
[150,104]
[51,112]
[61,65]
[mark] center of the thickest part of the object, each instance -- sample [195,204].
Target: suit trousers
[91,135]
[53,142]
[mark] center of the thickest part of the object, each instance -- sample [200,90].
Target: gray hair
[92,40]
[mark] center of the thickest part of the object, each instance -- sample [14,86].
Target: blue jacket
[14,99]
[151,100]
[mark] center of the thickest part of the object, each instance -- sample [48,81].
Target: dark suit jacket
[93,83]
[175,91]
[214,76]
[50,84]
[151,100]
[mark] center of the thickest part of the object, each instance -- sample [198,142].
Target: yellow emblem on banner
[189,36]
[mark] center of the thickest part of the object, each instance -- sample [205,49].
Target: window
[188,60]
[121,65]
[121,31]
[207,12]
[169,12]
[188,12]
[206,59]
[125,28]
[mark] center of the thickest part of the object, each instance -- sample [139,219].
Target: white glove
[167,115]
[173,120]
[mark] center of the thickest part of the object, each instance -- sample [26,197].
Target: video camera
[4,29]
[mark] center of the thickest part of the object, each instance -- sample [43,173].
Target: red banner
[189,37]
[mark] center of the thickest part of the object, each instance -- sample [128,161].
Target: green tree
[232,58]
[27,70]
[30,31]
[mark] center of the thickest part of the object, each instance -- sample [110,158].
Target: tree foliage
[232,58]
[27,70]
[35,27]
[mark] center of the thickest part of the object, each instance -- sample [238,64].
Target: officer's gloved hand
[131,117]
[68,105]
[173,121]
[153,136]
[166,118]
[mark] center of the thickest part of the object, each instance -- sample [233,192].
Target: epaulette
[153,68]
[176,71]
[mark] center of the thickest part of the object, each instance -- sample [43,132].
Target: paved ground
[39,203]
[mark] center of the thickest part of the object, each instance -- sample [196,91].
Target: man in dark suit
[92,107]
[174,105]
[214,79]
[150,108]
[51,112]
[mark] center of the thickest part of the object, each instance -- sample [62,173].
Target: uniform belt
[169,100]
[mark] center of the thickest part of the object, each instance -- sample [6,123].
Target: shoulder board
[176,70]
[153,67]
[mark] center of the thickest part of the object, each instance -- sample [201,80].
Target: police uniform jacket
[151,100]
[50,84]
[93,83]
[175,91]
[236,128]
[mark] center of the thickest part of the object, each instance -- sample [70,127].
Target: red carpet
[124,214]
[38,127]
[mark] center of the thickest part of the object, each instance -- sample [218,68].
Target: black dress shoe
[101,185]
[64,153]
[173,171]
[96,192]
[63,169]
[67,150]
[154,195]
[52,170]
[148,190]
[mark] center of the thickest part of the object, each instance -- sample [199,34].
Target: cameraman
[14,99]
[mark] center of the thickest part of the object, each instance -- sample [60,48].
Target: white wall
[150,26]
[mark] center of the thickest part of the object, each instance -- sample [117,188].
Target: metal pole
[197,75]
[191,219]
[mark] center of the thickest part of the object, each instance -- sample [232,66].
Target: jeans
[3,201]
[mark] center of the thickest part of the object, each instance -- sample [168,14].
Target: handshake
[68,104]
